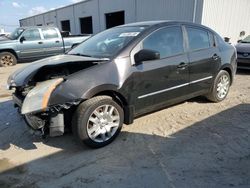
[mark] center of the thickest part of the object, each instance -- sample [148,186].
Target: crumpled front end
[33,103]
[35,85]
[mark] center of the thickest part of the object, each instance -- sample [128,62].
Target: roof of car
[164,22]
[36,27]
[145,23]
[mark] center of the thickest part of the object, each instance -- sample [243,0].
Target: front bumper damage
[43,120]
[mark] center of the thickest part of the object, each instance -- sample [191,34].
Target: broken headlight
[37,99]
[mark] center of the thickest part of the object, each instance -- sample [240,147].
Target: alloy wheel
[103,123]
[223,86]
[7,60]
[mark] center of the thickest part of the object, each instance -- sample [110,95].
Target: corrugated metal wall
[107,6]
[168,10]
[227,17]
[135,10]
[50,18]
[88,8]
[66,13]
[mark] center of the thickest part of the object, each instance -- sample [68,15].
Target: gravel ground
[192,144]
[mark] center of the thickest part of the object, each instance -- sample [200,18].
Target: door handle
[40,42]
[57,41]
[182,65]
[215,57]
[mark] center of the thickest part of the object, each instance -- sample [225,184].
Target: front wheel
[98,121]
[7,59]
[220,87]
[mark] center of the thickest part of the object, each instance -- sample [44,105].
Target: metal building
[227,17]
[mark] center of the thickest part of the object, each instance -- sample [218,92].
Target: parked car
[32,43]
[156,64]
[4,34]
[243,53]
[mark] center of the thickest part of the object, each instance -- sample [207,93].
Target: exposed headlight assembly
[37,99]
[10,84]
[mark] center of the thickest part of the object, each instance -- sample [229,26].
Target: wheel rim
[103,123]
[223,86]
[7,60]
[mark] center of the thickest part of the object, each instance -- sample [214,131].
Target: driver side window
[31,35]
[167,41]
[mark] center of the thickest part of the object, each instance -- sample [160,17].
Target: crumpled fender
[86,83]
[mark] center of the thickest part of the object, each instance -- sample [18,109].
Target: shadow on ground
[214,152]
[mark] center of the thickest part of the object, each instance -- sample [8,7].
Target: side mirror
[239,41]
[22,39]
[146,55]
[227,39]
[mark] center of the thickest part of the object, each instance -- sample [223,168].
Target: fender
[95,81]
[99,89]
[11,51]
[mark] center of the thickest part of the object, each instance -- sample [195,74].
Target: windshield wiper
[85,55]
[79,54]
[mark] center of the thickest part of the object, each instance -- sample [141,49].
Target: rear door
[53,43]
[162,81]
[32,44]
[204,58]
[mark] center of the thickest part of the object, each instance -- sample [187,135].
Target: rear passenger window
[167,41]
[49,33]
[198,39]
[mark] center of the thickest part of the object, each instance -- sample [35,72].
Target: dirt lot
[192,144]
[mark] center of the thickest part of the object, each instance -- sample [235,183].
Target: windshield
[16,33]
[246,40]
[107,43]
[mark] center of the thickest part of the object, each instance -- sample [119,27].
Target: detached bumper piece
[56,127]
[42,124]
[17,101]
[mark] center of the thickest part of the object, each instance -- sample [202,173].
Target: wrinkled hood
[243,47]
[22,76]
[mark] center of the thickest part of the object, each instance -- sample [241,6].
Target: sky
[11,11]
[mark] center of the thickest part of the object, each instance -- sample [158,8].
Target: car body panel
[22,75]
[143,87]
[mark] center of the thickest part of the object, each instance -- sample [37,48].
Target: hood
[243,47]
[22,76]
[5,40]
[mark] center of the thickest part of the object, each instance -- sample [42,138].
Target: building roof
[82,1]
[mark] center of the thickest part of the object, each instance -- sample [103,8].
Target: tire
[7,59]
[220,87]
[94,126]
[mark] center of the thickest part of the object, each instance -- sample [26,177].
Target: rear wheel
[7,59]
[220,87]
[98,121]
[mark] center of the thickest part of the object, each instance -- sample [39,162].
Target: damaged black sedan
[120,74]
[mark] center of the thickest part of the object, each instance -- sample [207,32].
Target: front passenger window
[31,35]
[167,41]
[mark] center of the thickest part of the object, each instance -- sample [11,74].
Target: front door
[31,44]
[163,81]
